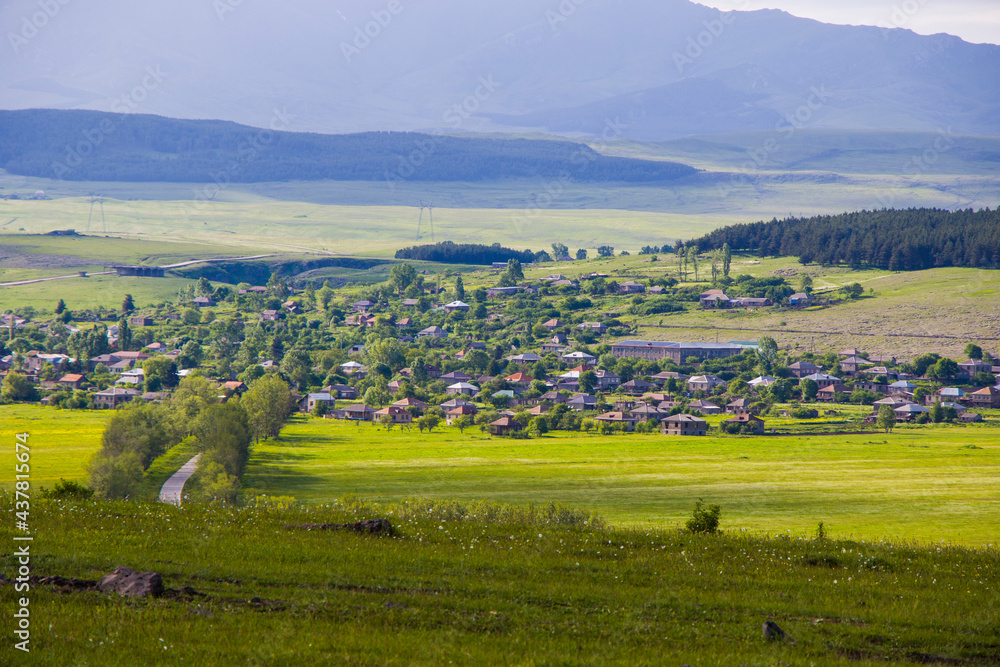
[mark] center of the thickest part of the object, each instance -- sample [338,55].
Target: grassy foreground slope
[477,585]
[928,484]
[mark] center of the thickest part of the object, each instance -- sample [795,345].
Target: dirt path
[173,487]
[42,280]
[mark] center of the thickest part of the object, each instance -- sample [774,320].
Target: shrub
[68,491]
[704,520]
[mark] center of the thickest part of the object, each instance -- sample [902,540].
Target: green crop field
[61,441]
[927,484]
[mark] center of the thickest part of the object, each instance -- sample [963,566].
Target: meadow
[929,484]
[61,441]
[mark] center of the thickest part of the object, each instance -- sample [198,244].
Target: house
[504,425]
[748,423]
[410,303]
[625,420]
[579,357]
[892,401]
[988,397]
[72,380]
[946,394]
[564,283]
[704,407]
[665,376]
[519,379]
[800,369]
[706,383]
[433,332]
[202,302]
[970,418]
[631,287]
[456,376]
[684,425]
[456,306]
[594,327]
[762,381]
[553,397]
[799,299]
[234,387]
[133,376]
[823,380]
[353,368]
[901,387]
[114,397]
[853,364]
[749,302]
[404,322]
[644,412]
[553,324]
[714,298]
[359,412]
[35,361]
[399,415]
[342,391]
[526,358]
[970,367]
[636,387]
[582,402]
[463,388]
[270,316]
[740,406]
[909,411]
[502,291]
[362,306]
[552,277]
[657,289]
[454,403]
[309,402]
[140,321]
[538,410]
[828,394]
[155,396]
[679,352]
[468,410]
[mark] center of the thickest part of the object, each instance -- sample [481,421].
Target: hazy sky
[976,21]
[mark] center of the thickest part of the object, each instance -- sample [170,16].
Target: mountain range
[612,69]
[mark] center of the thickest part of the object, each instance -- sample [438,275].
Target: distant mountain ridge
[653,69]
[96,146]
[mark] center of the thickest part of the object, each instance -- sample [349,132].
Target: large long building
[679,352]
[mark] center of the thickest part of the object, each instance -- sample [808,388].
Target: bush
[805,413]
[704,520]
[68,491]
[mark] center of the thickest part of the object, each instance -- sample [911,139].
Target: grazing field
[61,441]
[921,483]
[483,585]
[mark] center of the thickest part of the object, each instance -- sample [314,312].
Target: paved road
[172,488]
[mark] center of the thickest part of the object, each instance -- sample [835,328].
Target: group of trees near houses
[223,432]
[896,240]
[136,147]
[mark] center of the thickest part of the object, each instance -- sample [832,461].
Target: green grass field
[61,441]
[926,484]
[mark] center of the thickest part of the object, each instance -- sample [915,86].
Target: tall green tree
[128,304]
[459,289]
[268,404]
[886,418]
[727,259]
[402,276]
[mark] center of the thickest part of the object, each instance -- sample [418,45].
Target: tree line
[896,240]
[141,148]
[222,431]
[448,252]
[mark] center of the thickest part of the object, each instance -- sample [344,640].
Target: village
[406,357]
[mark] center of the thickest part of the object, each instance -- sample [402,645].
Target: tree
[514,269]
[606,251]
[115,478]
[937,413]
[691,257]
[159,373]
[139,428]
[727,259]
[581,254]
[124,335]
[128,305]
[204,287]
[852,291]
[267,404]
[387,421]
[587,381]
[767,351]
[944,369]
[972,351]
[222,432]
[429,422]
[886,418]
[559,251]
[459,289]
[463,422]
[402,276]
[805,283]
[60,307]
[324,296]
[17,387]
[809,389]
